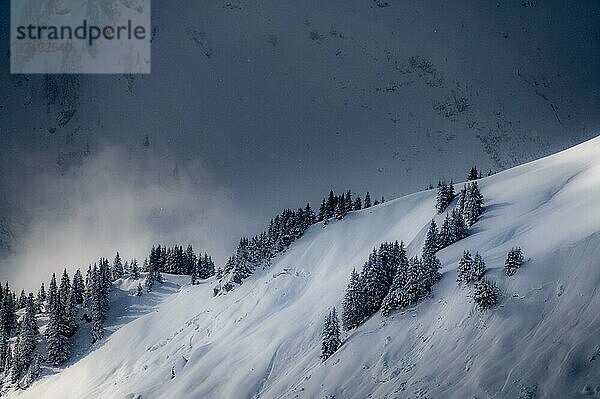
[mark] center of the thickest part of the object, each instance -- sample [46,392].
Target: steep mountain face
[263,338]
[264,92]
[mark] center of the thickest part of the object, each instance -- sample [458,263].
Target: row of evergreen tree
[175,260]
[339,205]
[284,229]
[252,253]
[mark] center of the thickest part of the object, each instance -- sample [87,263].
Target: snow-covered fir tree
[4,349]
[97,308]
[444,197]
[70,315]
[22,300]
[78,287]
[117,268]
[431,240]
[392,299]
[473,174]
[367,203]
[446,236]
[8,317]
[41,297]
[375,282]
[357,204]
[139,290]
[458,227]
[194,279]
[353,312]
[31,307]
[472,206]
[135,270]
[26,343]
[57,344]
[411,291]
[470,269]
[340,208]
[205,267]
[331,340]
[65,288]
[485,294]
[34,370]
[514,260]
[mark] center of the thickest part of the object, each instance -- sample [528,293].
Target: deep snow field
[262,340]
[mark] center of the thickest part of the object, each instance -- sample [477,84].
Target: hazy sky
[256,106]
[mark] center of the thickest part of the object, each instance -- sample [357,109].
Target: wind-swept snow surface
[263,338]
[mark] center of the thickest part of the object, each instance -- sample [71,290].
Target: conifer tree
[32,308]
[353,312]
[458,227]
[357,204]
[331,335]
[117,269]
[392,299]
[485,294]
[70,320]
[431,240]
[8,317]
[206,267]
[41,298]
[367,200]
[444,197]
[473,174]
[446,236]
[135,270]
[514,260]
[429,273]
[375,282]
[34,370]
[26,343]
[340,208]
[78,287]
[98,310]
[65,288]
[349,202]
[139,290]
[4,349]
[189,260]
[473,204]
[464,268]
[469,269]
[57,344]
[410,293]
[22,300]
[322,211]
[194,276]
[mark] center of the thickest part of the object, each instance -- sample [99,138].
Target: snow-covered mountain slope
[263,338]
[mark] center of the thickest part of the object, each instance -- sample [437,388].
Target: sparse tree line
[283,230]
[176,261]
[258,251]
[338,206]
